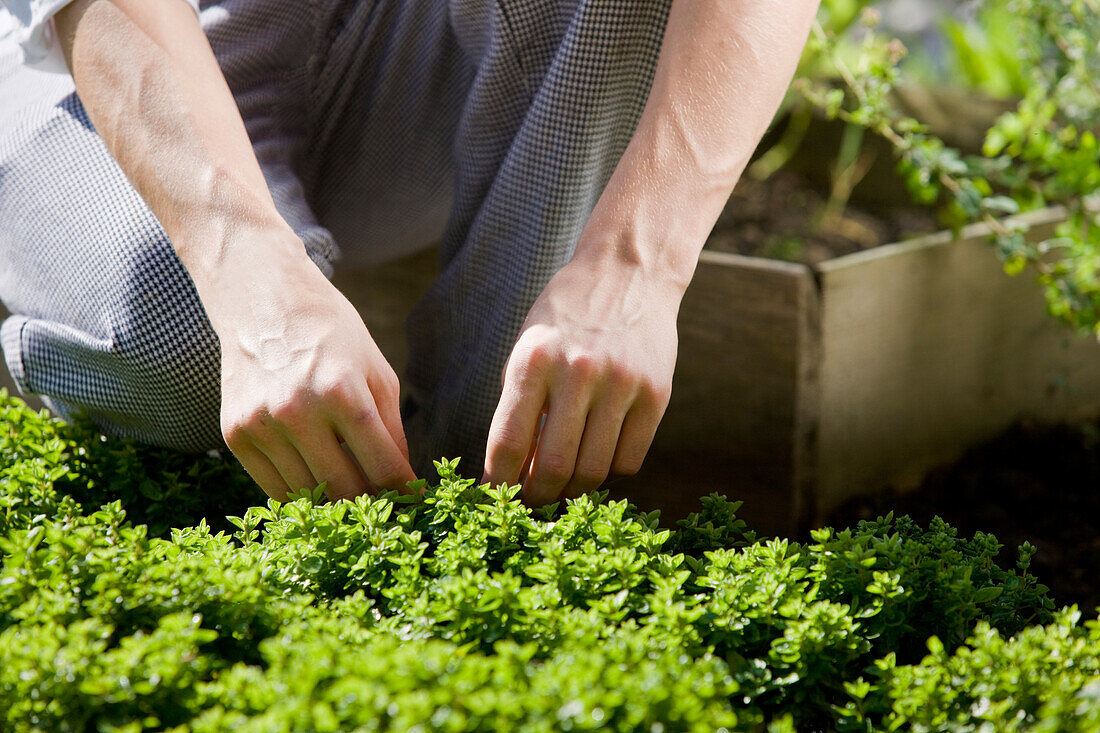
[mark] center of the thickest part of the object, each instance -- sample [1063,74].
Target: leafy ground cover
[127,602]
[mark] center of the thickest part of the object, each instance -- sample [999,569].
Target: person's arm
[597,351]
[300,373]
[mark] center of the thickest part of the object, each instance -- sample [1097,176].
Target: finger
[515,423]
[639,427]
[597,449]
[288,462]
[370,442]
[389,408]
[320,448]
[530,457]
[262,471]
[556,455]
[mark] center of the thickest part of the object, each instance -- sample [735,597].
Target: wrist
[641,224]
[249,266]
[223,221]
[623,255]
[657,210]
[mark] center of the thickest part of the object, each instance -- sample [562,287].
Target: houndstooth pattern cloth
[491,126]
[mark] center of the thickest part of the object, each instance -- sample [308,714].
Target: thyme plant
[459,609]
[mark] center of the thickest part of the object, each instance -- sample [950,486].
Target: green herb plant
[457,608]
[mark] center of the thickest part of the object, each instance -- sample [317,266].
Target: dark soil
[1039,484]
[786,218]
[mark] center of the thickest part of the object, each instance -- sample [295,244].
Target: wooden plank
[1040,223]
[731,425]
[928,349]
[807,418]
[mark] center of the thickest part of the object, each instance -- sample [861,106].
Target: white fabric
[30,24]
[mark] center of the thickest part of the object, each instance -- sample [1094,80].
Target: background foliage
[1043,54]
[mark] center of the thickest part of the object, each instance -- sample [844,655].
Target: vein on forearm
[723,70]
[142,107]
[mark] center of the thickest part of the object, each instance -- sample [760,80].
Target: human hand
[597,351]
[595,356]
[307,397]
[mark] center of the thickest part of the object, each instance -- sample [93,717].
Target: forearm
[723,69]
[152,87]
[306,397]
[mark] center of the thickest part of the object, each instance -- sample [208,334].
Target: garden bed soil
[785,217]
[1037,484]
[788,215]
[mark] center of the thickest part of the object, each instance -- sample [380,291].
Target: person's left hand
[587,382]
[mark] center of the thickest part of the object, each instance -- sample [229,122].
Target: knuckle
[389,391]
[234,435]
[523,373]
[556,468]
[508,443]
[534,353]
[620,373]
[289,412]
[364,415]
[628,465]
[585,366]
[655,393]
[236,426]
[391,384]
[382,380]
[592,473]
[337,393]
[387,473]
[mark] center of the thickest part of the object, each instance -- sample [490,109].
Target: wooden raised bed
[798,387]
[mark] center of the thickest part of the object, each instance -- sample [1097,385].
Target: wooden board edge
[1037,221]
[752,264]
[807,405]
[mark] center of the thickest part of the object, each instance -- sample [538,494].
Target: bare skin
[302,378]
[300,372]
[597,351]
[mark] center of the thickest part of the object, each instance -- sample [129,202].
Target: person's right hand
[307,397]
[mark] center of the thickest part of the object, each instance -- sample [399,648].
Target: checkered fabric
[384,125]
